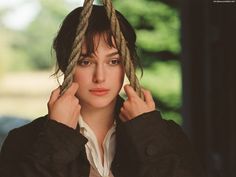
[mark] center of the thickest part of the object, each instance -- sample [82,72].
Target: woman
[90,130]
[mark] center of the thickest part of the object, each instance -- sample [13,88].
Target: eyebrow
[108,55]
[84,55]
[112,54]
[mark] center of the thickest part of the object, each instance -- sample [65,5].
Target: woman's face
[100,76]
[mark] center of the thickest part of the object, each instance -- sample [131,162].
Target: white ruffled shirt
[93,152]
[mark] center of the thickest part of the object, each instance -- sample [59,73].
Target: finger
[54,96]
[121,115]
[148,97]
[77,110]
[130,91]
[122,110]
[72,89]
[122,118]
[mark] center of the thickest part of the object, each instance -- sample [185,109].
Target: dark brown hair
[98,24]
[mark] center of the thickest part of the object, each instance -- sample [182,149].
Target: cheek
[122,77]
[122,73]
[119,77]
[79,76]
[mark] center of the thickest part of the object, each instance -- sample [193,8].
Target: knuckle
[132,98]
[67,95]
[152,105]
[70,97]
[78,109]
[125,104]
[49,103]
[76,101]
[53,92]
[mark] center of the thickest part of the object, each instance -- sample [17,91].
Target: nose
[99,74]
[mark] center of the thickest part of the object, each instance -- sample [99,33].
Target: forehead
[95,42]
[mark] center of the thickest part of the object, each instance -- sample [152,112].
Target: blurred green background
[26,61]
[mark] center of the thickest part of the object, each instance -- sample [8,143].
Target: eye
[114,61]
[84,62]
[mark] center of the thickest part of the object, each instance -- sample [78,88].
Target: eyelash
[115,59]
[81,62]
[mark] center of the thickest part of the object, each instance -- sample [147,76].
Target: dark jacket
[147,146]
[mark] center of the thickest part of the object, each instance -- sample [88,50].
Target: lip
[99,91]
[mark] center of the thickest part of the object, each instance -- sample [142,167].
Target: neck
[100,120]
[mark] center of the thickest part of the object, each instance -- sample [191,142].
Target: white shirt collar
[92,148]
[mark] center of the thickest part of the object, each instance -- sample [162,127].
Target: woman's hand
[134,105]
[65,108]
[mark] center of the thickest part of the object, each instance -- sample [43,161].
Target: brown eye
[114,61]
[84,62]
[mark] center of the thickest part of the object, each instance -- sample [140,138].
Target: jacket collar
[119,104]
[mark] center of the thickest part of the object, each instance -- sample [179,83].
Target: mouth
[99,91]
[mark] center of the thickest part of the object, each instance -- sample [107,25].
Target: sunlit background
[27,29]
[26,63]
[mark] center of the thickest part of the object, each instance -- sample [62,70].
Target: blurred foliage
[30,48]
[163,78]
[40,32]
[157,26]
[156,23]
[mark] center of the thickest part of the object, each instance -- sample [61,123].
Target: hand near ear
[65,108]
[134,105]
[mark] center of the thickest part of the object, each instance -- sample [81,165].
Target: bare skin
[69,103]
[134,105]
[66,108]
[69,108]
[103,69]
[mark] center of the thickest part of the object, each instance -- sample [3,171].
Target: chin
[99,102]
